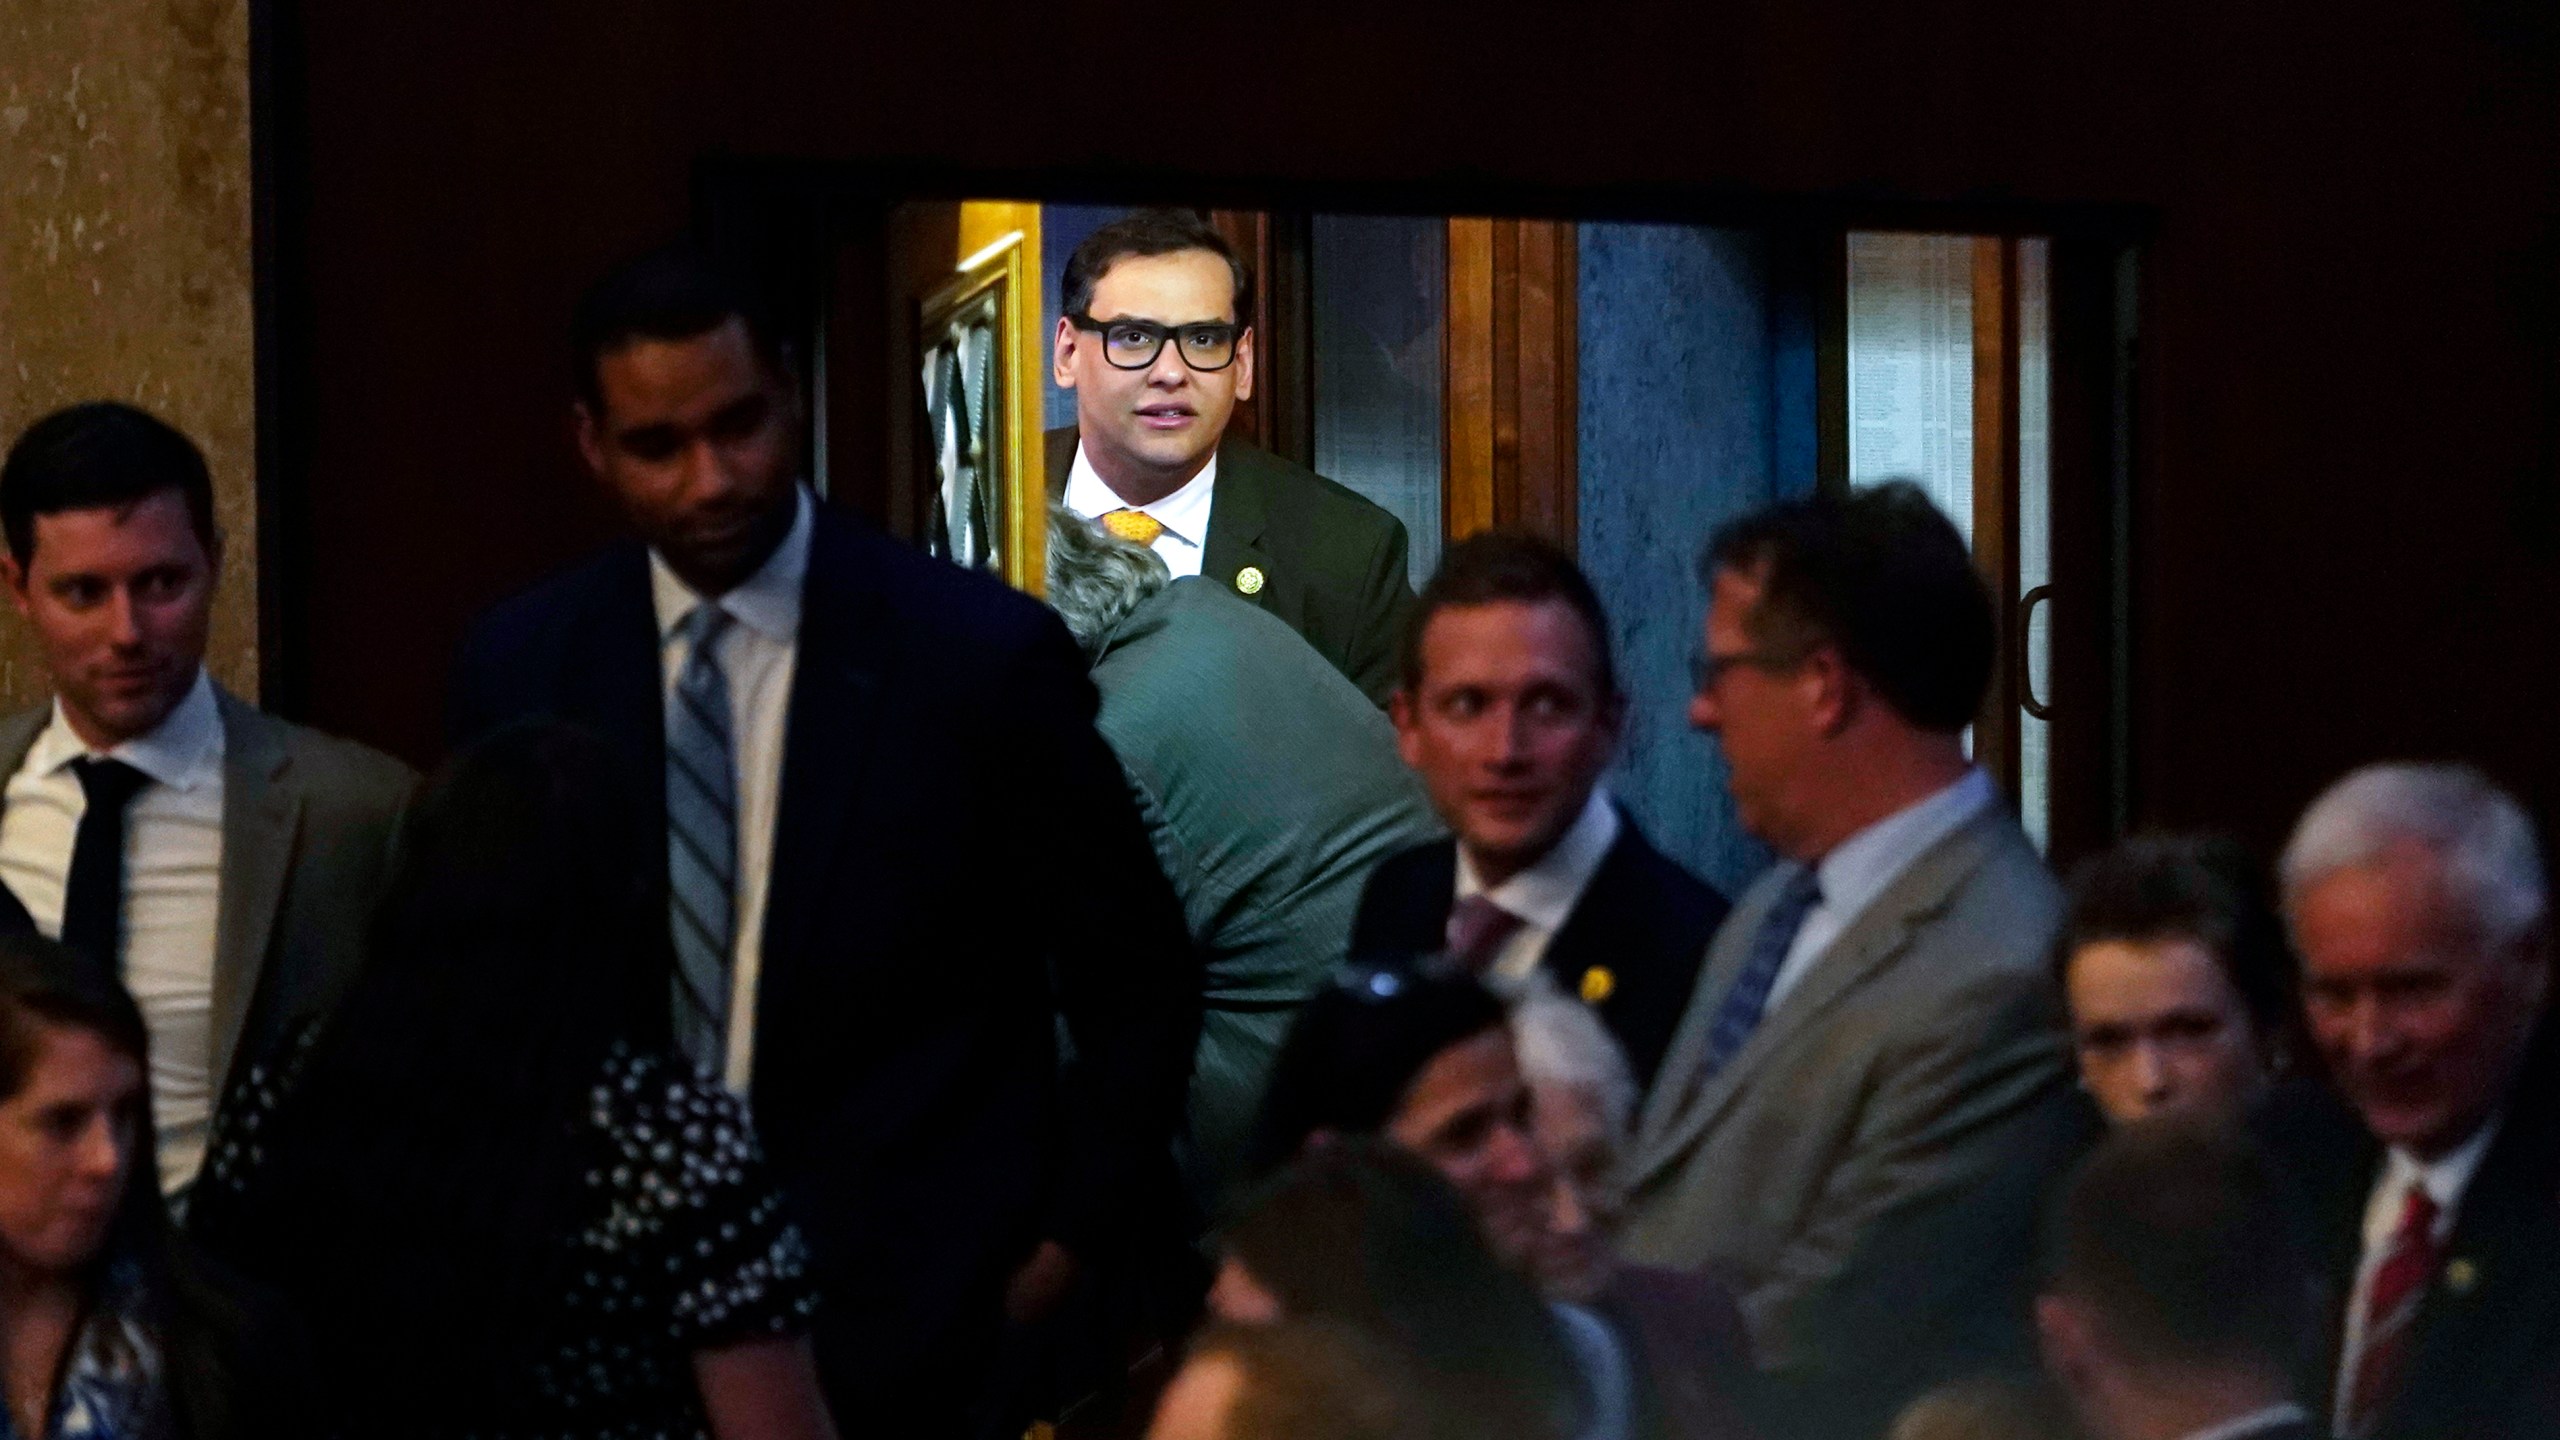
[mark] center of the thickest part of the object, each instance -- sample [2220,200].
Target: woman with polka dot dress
[505,1206]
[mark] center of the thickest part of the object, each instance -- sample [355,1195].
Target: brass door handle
[2026,672]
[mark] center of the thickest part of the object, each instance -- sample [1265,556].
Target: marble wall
[125,252]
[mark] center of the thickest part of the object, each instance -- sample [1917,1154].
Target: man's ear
[1404,711]
[1244,363]
[1835,692]
[590,437]
[1062,354]
[14,575]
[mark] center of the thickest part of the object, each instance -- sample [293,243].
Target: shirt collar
[2240,1427]
[1184,514]
[767,602]
[1860,867]
[182,752]
[2445,1178]
[1545,893]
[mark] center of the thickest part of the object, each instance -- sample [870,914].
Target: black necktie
[93,898]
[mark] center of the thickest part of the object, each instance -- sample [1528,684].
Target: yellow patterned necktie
[1135,526]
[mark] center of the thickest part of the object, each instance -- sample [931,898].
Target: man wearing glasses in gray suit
[1860,1107]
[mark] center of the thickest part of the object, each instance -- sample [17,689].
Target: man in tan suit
[224,862]
[1860,1106]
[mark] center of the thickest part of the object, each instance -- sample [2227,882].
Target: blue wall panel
[1689,377]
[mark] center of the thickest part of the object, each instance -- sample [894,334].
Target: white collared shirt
[758,655]
[1543,895]
[1184,514]
[1860,868]
[2445,1180]
[172,893]
[2241,1427]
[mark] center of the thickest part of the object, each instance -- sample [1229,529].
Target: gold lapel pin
[2461,1277]
[1598,984]
[1249,580]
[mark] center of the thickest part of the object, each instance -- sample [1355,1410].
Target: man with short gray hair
[1269,783]
[2416,896]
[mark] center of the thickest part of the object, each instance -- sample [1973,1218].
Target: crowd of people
[825,992]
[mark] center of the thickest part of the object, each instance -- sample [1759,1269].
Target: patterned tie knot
[703,625]
[1478,929]
[108,784]
[1135,526]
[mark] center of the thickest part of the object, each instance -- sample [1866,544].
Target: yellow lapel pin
[2461,1277]
[1598,984]
[1249,580]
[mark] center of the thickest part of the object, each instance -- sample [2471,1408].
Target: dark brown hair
[1160,231]
[2203,888]
[1508,565]
[97,456]
[1881,574]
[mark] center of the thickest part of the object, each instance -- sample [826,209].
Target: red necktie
[1477,930]
[2399,1282]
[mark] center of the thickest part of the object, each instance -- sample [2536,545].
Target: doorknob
[2020,656]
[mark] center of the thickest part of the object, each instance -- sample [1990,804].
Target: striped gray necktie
[702,840]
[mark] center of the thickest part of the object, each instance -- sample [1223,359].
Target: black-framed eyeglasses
[1208,346]
[1707,670]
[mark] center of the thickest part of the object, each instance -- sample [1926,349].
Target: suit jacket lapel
[613,679]
[17,736]
[261,810]
[1418,916]
[835,694]
[1873,939]
[1603,904]
[1237,517]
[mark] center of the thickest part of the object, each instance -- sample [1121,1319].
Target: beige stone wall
[124,251]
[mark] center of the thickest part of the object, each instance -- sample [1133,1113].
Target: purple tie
[1477,930]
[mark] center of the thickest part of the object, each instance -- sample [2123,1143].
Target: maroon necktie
[2399,1282]
[1477,930]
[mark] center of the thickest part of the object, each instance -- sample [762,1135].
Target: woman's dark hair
[2204,888]
[1311,1380]
[1361,1234]
[1356,1047]
[44,983]
[422,1183]
[225,1350]
[1368,1236]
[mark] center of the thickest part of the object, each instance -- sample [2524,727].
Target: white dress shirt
[2241,1427]
[758,655]
[1861,867]
[172,893]
[1184,514]
[2445,1180]
[1543,895]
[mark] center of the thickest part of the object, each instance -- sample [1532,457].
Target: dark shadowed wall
[2344,539]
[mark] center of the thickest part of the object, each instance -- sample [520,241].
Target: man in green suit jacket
[1153,340]
[1270,788]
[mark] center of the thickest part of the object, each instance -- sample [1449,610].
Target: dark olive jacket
[1320,557]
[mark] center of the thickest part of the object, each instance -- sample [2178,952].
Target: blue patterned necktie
[702,840]
[1745,1003]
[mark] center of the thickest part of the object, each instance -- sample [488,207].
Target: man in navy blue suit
[898,858]
[1509,709]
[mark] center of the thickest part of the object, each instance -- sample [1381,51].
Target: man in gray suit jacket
[225,862]
[1270,786]
[1860,1107]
